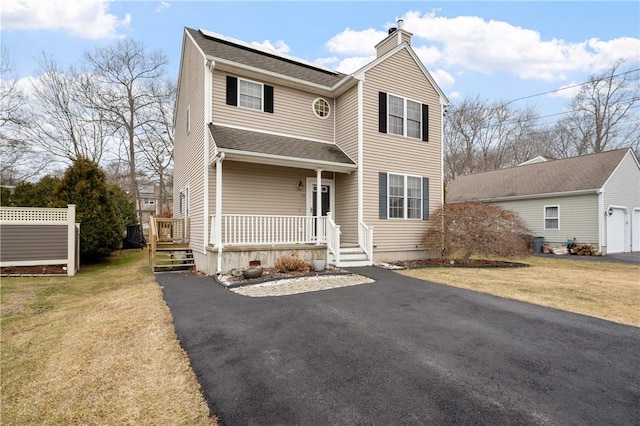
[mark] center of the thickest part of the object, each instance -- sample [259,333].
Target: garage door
[616,231]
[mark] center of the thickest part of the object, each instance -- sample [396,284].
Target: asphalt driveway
[402,351]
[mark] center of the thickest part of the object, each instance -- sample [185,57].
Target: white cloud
[443,78]
[88,19]
[351,42]
[454,95]
[471,43]
[279,46]
[567,91]
[350,65]
[163,5]
[487,46]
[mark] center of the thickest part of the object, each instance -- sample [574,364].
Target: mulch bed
[269,274]
[34,270]
[457,263]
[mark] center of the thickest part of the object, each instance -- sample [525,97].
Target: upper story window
[402,116]
[249,94]
[551,217]
[321,108]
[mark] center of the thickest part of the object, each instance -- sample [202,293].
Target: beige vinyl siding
[346,209]
[346,116]
[249,188]
[387,44]
[292,112]
[189,147]
[397,154]
[578,218]
[27,242]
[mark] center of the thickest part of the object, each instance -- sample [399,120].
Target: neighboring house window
[401,116]
[183,207]
[149,201]
[188,118]
[551,217]
[249,94]
[403,196]
[321,108]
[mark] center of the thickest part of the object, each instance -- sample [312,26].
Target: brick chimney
[397,36]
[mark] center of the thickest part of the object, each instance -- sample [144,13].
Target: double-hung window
[404,196]
[551,217]
[402,116]
[250,95]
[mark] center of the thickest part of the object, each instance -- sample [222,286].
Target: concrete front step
[351,257]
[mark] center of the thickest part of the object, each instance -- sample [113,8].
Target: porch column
[318,201]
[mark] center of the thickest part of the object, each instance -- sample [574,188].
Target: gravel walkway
[301,285]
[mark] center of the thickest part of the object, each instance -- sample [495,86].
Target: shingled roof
[223,48]
[583,173]
[229,138]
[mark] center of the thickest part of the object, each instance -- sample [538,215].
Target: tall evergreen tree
[84,184]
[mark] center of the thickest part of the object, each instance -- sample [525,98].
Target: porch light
[610,211]
[300,185]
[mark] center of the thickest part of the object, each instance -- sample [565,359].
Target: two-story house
[277,155]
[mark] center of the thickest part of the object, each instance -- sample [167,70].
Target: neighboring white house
[594,199]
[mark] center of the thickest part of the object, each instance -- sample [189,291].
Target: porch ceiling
[256,147]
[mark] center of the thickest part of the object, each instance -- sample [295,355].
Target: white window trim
[188,119]
[405,207]
[545,217]
[184,210]
[261,95]
[313,108]
[404,117]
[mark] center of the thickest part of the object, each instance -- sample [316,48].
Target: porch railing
[240,229]
[365,239]
[333,237]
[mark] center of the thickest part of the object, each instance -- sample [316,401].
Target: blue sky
[491,49]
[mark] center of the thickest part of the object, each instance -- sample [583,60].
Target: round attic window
[321,108]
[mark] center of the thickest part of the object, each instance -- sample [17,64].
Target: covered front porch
[274,195]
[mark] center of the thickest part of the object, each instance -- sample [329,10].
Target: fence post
[71,239]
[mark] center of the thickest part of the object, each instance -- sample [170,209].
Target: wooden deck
[169,244]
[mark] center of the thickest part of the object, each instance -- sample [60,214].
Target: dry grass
[604,290]
[97,348]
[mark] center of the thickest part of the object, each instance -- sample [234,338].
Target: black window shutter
[425,122]
[425,198]
[382,207]
[268,98]
[382,112]
[232,91]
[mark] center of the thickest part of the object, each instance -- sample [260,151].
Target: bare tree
[67,127]
[482,136]
[120,87]
[156,144]
[602,113]
[18,161]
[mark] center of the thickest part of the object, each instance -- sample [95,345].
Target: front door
[326,200]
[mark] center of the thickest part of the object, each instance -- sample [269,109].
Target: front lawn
[96,348]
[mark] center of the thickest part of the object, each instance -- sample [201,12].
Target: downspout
[601,219]
[218,224]
[208,101]
[443,111]
[360,160]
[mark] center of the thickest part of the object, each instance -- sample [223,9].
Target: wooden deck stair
[169,245]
